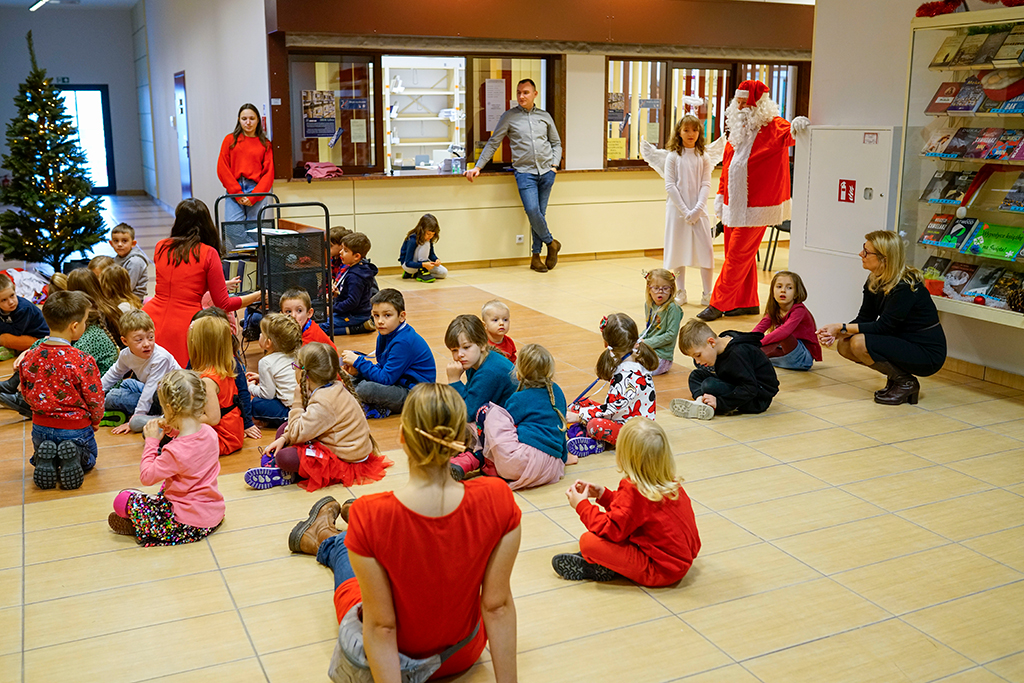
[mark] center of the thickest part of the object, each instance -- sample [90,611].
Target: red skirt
[320,467]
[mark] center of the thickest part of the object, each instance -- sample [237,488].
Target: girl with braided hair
[188,507]
[627,363]
[326,439]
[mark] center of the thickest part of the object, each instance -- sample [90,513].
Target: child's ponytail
[621,339]
[645,356]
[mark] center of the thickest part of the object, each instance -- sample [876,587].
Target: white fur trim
[742,93]
[756,216]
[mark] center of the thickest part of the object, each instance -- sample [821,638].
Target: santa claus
[753,193]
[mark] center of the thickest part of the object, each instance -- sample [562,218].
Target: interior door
[181,124]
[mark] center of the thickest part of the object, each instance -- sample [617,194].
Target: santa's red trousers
[736,286]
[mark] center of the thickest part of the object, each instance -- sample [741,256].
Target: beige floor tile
[532,572]
[596,607]
[733,574]
[860,543]
[291,623]
[566,519]
[10,587]
[927,578]
[727,674]
[10,551]
[553,495]
[917,487]
[1010,668]
[984,626]
[64,578]
[716,462]
[718,535]
[862,410]
[1001,469]
[245,546]
[745,488]
[848,372]
[240,671]
[898,429]
[307,664]
[124,609]
[938,398]
[283,504]
[976,675]
[946,448]
[807,399]
[697,438]
[801,513]
[67,511]
[813,444]
[11,520]
[845,468]
[987,412]
[10,630]
[746,427]
[540,531]
[647,652]
[65,542]
[887,651]
[968,516]
[207,641]
[1003,546]
[10,667]
[288,577]
[1013,429]
[782,618]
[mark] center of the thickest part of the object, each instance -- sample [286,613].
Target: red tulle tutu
[322,467]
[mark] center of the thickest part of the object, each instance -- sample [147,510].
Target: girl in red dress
[209,347]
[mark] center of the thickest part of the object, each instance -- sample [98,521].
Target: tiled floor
[842,540]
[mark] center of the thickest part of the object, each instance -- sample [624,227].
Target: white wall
[222,48]
[584,107]
[141,54]
[88,46]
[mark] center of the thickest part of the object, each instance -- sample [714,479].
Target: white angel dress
[687,182]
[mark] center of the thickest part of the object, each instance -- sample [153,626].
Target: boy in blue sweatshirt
[21,321]
[354,286]
[403,358]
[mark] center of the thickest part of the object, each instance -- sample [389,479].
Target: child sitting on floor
[326,439]
[296,303]
[488,375]
[100,263]
[188,507]
[131,258]
[338,233]
[62,386]
[273,387]
[209,352]
[21,323]
[417,256]
[496,316]
[243,399]
[84,280]
[354,288]
[663,315]
[647,532]
[789,340]
[116,285]
[731,373]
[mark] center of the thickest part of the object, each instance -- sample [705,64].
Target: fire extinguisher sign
[847,190]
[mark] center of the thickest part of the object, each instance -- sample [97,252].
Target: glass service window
[709,83]
[635,94]
[493,82]
[781,82]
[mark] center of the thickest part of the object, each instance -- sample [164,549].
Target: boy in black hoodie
[354,286]
[732,374]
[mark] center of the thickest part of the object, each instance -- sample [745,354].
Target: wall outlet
[519,239]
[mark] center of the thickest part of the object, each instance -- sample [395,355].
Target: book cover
[942,98]
[957,146]
[987,107]
[958,232]
[935,229]
[950,46]
[988,139]
[1014,200]
[969,50]
[958,274]
[954,193]
[1000,242]
[1014,105]
[1009,281]
[937,186]
[990,47]
[981,282]
[938,140]
[1007,145]
[1009,54]
[934,267]
[969,98]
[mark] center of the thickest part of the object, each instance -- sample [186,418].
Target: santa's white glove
[719,205]
[800,124]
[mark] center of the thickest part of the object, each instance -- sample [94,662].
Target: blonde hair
[666,276]
[283,332]
[693,334]
[535,368]
[116,284]
[893,255]
[433,421]
[675,141]
[496,304]
[209,346]
[58,282]
[644,455]
[620,337]
[135,320]
[182,394]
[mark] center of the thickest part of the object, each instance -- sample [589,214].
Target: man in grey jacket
[536,151]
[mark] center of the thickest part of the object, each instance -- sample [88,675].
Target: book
[958,232]
[981,145]
[1009,281]
[934,267]
[1000,242]
[938,140]
[1014,200]
[968,50]
[1011,52]
[1007,145]
[989,48]
[947,51]
[987,107]
[958,274]
[935,229]
[959,143]
[968,99]
[1014,105]
[954,193]
[942,98]
[937,186]
[981,282]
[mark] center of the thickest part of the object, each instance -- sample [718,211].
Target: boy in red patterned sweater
[64,389]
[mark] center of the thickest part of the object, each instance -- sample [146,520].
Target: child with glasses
[663,316]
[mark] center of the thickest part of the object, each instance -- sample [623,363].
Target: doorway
[181,125]
[89,109]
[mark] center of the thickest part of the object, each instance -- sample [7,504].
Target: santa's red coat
[764,178]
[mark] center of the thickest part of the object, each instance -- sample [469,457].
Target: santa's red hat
[752,90]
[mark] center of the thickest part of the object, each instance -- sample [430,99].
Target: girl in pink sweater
[188,507]
[789,339]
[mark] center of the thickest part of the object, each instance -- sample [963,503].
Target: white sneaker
[681,297]
[705,299]
[693,410]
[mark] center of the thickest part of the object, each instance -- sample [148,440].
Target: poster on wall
[318,113]
[616,106]
[494,101]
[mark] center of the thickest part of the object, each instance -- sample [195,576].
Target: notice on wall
[318,113]
[616,148]
[650,104]
[358,133]
[494,101]
[653,133]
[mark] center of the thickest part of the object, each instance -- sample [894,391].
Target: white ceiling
[83,4]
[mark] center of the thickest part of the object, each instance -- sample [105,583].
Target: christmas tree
[55,215]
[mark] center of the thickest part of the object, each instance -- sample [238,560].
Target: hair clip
[456,446]
[604,323]
[646,274]
[610,350]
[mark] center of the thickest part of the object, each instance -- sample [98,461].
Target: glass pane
[424,99]
[332,111]
[781,82]
[635,91]
[710,84]
[494,83]
[85,107]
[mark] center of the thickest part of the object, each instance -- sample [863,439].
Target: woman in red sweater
[187,266]
[245,165]
[790,334]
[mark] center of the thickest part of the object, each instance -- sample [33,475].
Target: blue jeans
[269,410]
[125,398]
[797,359]
[349,323]
[233,211]
[534,190]
[334,554]
[84,437]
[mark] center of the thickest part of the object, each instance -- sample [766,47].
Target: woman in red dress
[449,572]
[187,266]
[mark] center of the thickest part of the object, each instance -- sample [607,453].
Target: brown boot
[345,507]
[905,389]
[890,373]
[537,264]
[554,246]
[308,534]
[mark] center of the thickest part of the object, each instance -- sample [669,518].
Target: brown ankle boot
[537,264]
[905,389]
[554,246]
[308,534]
[890,373]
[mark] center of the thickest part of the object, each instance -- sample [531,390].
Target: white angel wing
[716,150]
[654,157]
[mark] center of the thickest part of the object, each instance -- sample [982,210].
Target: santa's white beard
[743,124]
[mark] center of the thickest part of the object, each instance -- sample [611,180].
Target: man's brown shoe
[537,264]
[308,534]
[554,246]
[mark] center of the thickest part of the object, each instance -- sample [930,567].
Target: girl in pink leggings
[188,507]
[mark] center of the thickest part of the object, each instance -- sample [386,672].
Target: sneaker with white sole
[572,567]
[693,410]
[582,446]
[261,478]
[681,297]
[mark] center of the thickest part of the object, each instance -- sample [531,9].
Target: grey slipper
[694,410]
